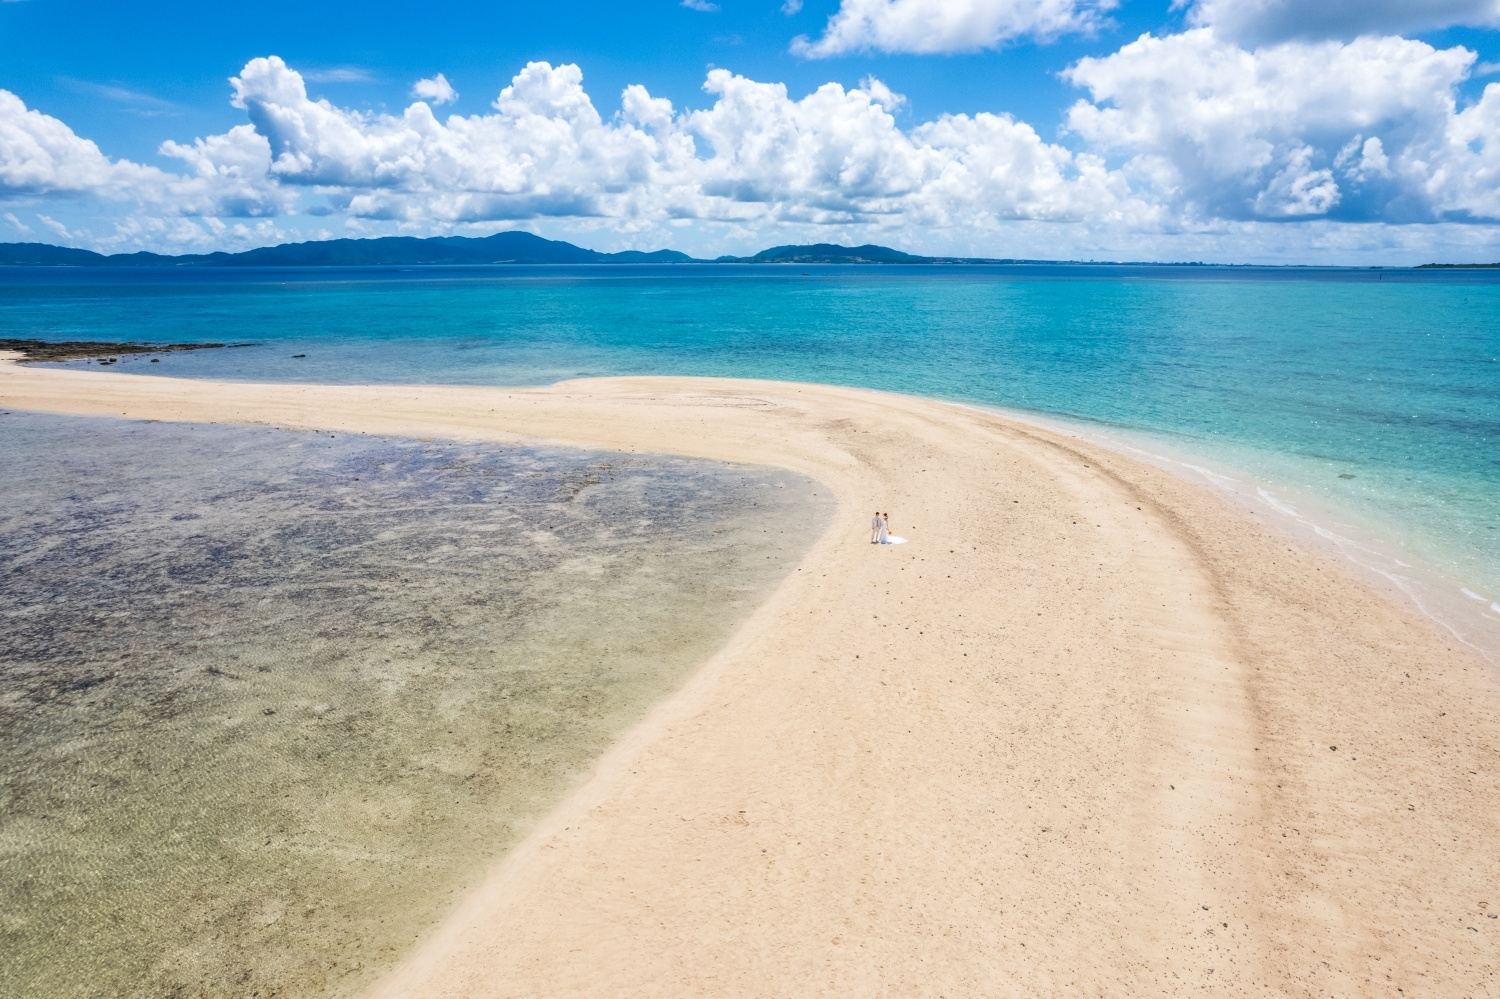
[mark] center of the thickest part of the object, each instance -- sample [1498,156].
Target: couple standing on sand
[880,530]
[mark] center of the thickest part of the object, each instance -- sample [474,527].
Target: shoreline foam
[1093,730]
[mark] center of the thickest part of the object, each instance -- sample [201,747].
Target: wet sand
[1091,731]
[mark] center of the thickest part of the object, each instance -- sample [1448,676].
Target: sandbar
[1092,731]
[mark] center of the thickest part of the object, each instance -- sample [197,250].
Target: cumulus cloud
[1368,130]
[229,176]
[933,26]
[1259,21]
[835,155]
[881,94]
[39,155]
[547,151]
[436,90]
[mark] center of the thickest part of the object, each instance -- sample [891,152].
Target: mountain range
[501,248]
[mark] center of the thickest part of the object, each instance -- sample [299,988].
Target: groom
[875,528]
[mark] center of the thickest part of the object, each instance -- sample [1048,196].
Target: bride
[886,537]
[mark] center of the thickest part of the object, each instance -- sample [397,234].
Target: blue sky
[59,55]
[1154,162]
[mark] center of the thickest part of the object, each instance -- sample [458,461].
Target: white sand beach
[1091,731]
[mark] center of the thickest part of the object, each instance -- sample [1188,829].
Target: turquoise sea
[1362,407]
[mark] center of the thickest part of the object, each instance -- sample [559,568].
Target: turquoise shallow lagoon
[1371,397]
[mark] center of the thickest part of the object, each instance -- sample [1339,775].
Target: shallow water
[270,699]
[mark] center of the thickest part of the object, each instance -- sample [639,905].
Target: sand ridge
[1091,731]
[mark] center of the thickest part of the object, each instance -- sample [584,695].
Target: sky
[1355,132]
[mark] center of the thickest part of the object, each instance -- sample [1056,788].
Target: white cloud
[188,235]
[16,223]
[1298,189]
[1214,130]
[547,151]
[338,74]
[881,94]
[791,7]
[436,89]
[58,229]
[39,155]
[1260,21]
[229,175]
[703,5]
[837,156]
[754,154]
[933,26]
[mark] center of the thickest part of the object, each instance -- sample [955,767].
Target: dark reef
[72,350]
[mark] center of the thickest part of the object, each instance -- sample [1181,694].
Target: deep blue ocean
[1366,400]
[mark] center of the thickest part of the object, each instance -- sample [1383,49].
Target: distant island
[508,248]
[400,251]
[832,253]
[501,248]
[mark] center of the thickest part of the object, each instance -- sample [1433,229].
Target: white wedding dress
[887,538]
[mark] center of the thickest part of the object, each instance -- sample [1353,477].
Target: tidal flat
[271,700]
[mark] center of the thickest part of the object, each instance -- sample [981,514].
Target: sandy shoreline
[1415,581]
[1078,736]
